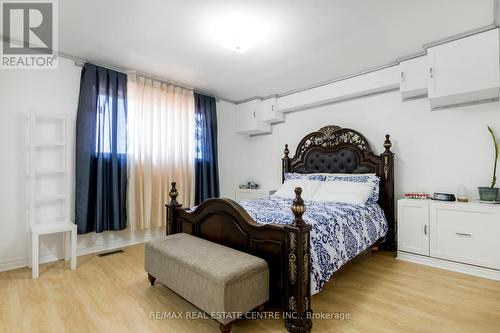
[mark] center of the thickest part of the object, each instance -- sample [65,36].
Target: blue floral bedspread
[339,231]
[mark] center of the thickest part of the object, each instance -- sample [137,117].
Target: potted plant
[490,193]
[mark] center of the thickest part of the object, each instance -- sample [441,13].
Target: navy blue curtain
[206,170]
[101,147]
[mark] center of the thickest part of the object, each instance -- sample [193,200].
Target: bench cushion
[215,278]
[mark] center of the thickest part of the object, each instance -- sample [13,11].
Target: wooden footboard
[286,248]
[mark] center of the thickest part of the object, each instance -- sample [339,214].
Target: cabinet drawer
[466,234]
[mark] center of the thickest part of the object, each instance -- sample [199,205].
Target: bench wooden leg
[225,328]
[152,279]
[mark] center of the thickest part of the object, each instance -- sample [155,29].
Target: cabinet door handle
[254,114]
[425,229]
[462,234]
[402,76]
[431,72]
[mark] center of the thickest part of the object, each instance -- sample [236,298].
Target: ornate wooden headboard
[333,149]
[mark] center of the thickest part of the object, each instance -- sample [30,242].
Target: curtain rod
[80,62]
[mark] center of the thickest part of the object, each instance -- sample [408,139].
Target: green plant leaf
[497,148]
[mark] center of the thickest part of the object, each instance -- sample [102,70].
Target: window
[198,132]
[108,129]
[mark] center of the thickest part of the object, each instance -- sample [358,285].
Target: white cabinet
[249,194]
[249,118]
[413,226]
[270,112]
[457,236]
[467,233]
[413,76]
[465,70]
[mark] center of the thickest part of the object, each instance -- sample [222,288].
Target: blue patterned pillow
[375,180]
[290,176]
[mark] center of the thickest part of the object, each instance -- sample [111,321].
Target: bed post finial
[298,307]
[173,194]
[387,194]
[298,208]
[285,164]
[171,206]
[387,143]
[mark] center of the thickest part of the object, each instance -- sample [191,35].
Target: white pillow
[345,192]
[287,189]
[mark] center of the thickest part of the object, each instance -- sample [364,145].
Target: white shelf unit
[55,224]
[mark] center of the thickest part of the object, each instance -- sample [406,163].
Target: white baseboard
[483,272]
[109,246]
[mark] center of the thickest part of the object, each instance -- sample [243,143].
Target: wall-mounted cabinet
[249,118]
[464,71]
[270,112]
[413,76]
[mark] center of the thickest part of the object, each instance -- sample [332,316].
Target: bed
[300,246]
[339,231]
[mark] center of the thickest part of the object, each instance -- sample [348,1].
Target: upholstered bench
[217,279]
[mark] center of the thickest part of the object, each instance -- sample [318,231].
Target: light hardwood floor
[112,294]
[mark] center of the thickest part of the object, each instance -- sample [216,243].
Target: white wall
[49,91]
[435,150]
[233,150]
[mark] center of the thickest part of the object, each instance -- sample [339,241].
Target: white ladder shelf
[57,225]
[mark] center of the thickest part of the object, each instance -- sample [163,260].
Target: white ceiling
[307,41]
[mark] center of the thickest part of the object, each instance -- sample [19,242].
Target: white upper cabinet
[270,112]
[249,118]
[465,70]
[413,76]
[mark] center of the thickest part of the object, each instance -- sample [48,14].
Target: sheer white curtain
[160,149]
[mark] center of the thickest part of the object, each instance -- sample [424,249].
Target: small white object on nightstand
[249,194]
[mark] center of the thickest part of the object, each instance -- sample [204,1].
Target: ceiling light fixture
[238,32]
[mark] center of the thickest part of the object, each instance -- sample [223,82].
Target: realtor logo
[29,34]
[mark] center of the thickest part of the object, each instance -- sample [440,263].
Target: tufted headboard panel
[345,160]
[333,149]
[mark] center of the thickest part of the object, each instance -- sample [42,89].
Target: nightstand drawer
[464,233]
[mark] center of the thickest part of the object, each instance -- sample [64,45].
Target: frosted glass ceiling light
[237,32]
